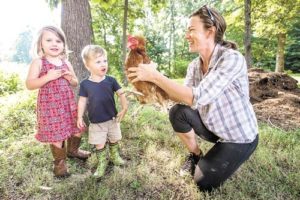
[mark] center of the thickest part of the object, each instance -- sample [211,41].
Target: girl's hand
[54,74]
[144,72]
[121,115]
[80,123]
[67,75]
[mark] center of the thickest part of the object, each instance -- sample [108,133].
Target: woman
[214,102]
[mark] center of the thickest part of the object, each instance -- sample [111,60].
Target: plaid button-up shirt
[222,96]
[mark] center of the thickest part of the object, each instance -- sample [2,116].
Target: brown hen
[137,55]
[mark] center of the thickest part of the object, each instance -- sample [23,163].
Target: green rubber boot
[114,154]
[102,163]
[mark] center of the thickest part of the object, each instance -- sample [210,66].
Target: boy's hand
[80,123]
[121,115]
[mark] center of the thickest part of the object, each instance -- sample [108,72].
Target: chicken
[151,93]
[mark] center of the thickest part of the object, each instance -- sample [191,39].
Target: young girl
[53,75]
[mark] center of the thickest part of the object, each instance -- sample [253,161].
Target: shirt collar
[214,57]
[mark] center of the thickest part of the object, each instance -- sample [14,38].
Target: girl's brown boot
[73,150]
[60,169]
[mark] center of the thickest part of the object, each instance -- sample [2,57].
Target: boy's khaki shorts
[102,132]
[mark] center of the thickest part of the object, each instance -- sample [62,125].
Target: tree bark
[247,38]
[125,81]
[76,22]
[280,53]
[171,38]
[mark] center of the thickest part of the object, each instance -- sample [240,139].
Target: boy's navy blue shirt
[101,104]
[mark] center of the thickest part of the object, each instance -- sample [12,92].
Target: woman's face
[196,35]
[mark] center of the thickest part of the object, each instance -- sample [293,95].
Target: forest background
[268,29]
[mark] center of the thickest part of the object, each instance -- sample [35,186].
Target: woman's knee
[176,111]
[173,112]
[178,117]
[206,180]
[204,183]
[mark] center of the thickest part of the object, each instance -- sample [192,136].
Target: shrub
[9,84]
[19,119]
[180,68]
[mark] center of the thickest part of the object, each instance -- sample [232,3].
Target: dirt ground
[275,98]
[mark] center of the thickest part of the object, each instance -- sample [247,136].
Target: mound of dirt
[275,98]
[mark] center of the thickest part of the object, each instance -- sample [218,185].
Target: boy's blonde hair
[91,51]
[37,48]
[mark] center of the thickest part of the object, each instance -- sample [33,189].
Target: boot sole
[63,176]
[79,158]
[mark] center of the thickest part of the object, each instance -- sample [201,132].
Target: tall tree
[293,48]
[247,38]
[76,22]
[124,40]
[171,37]
[281,38]
[273,18]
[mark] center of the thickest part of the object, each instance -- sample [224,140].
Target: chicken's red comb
[132,42]
[130,37]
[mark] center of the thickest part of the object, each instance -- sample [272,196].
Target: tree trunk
[125,81]
[247,39]
[171,39]
[280,53]
[76,22]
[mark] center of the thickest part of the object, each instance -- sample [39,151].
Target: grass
[153,156]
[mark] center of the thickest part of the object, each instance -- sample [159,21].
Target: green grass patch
[153,154]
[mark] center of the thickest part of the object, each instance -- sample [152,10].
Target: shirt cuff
[196,96]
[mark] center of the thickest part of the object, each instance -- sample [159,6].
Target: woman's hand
[144,72]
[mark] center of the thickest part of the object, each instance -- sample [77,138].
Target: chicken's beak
[129,44]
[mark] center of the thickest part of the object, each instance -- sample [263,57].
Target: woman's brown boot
[59,154]
[73,150]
